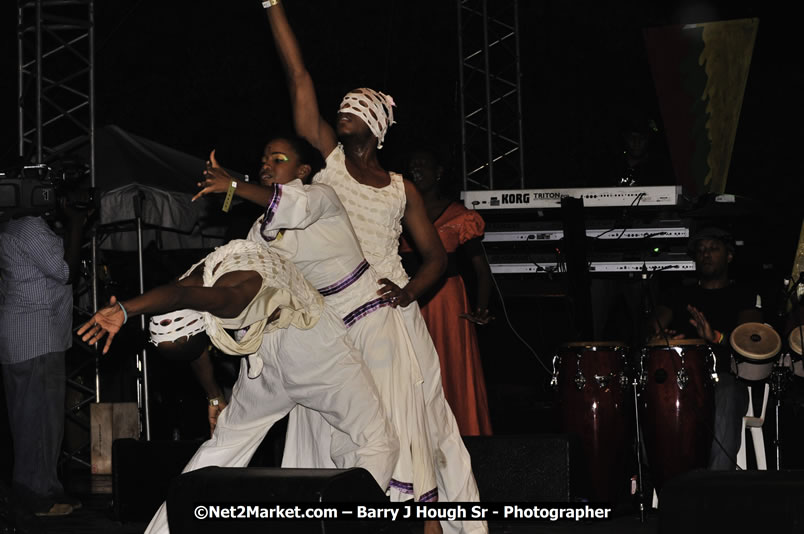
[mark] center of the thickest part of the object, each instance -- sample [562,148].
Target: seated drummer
[710,310]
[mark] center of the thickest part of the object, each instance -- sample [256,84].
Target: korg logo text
[516,198]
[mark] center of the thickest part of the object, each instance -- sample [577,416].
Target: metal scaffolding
[490,94]
[56,113]
[56,77]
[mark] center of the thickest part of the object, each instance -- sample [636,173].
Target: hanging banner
[700,72]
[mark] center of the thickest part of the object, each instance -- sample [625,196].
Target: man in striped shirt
[35,321]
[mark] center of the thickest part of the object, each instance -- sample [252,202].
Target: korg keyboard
[593,197]
[606,263]
[552,231]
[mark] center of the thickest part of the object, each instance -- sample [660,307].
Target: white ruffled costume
[304,358]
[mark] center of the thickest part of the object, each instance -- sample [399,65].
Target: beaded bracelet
[269,3]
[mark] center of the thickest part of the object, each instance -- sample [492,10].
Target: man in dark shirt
[710,310]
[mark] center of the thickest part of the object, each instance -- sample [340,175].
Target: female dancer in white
[378,203]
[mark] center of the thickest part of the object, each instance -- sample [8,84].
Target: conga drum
[593,403]
[756,349]
[677,407]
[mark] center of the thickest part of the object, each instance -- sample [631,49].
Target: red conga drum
[677,407]
[594,404]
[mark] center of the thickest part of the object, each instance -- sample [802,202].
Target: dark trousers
[731,403]
[35,396]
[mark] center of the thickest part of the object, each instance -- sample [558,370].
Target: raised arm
[306,116]
[426,241]
[217,180]
[286,206]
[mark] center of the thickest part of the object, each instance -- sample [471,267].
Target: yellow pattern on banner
[726,57]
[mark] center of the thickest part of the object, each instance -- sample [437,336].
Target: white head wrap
[374,107]
[175,325]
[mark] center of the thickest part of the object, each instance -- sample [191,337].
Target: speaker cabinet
[533,468]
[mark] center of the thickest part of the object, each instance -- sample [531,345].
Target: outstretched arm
[306,117]
[227,298]
[427,242]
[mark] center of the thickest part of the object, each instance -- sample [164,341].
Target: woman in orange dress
[445,307]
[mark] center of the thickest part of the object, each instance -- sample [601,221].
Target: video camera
[39,189]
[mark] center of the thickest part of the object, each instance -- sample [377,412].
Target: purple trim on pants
[364,310]
[350,279]
[430,496]
[402,487]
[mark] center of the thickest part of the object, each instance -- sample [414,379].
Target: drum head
[794,340]
[756,341]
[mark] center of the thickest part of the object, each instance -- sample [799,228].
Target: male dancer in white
[306,224]
[378,203]
[298,351]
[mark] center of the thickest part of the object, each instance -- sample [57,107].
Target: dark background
[202,75]
[196,76]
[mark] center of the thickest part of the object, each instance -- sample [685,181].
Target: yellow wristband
[215,401]
[227,202]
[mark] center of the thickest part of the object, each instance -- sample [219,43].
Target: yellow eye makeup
[279,156]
